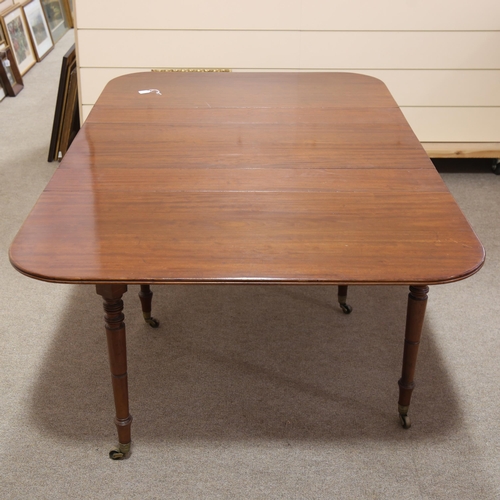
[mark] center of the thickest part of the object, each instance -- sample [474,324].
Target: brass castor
[405,421]
[346,308]
[496,166]
[120,453]
[152,322]
[116,455]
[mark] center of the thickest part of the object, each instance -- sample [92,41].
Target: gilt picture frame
[39,28]
[3,42]
[68,6]
[18,38]
[56,15]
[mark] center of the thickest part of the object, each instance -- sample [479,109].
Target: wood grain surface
[246,177]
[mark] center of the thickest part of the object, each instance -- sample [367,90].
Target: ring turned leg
[417,301]
[146,296]
[342,298]
[117,350]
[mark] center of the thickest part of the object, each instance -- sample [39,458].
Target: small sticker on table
[149,91]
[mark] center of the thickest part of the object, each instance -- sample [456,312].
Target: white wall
[441,60]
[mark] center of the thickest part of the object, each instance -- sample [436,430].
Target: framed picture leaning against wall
[69,9]
[66,116]
[18,38]
[55,12]
[39,29]
[10,77]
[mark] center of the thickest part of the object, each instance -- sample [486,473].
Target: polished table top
[246,177]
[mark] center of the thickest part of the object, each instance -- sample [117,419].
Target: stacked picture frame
[66,122]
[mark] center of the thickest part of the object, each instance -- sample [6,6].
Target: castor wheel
[405,421]
[152,322]
[120,453]
[116,455]
[346,308]
[495,166]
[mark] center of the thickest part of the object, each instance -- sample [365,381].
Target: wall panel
[440,60]
[191,49]
[454,124]
[288,49]
[400,50]
[386,15]
[409,88]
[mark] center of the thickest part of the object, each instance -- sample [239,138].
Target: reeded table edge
[251,281]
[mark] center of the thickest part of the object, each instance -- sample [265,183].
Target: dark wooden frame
[65,125]
[8,63]
[71,118]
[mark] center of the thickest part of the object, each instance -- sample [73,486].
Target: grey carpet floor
[243,392]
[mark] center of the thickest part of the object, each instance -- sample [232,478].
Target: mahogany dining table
[226,178]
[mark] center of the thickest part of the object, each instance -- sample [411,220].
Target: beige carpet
[243,392]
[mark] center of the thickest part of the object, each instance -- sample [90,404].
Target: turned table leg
[146,296]
[117,350]
[417,301]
